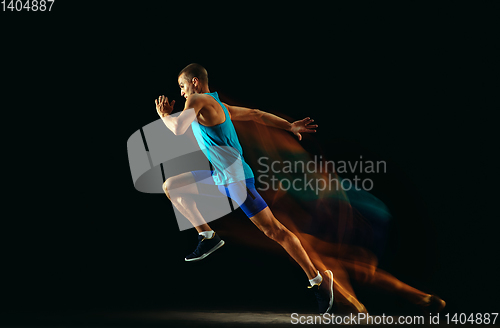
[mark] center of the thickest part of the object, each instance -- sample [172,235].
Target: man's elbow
[179,129]
[176,130]
[179,132]
[173,126]
[256,115]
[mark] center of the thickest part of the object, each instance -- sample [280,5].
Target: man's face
[187,87]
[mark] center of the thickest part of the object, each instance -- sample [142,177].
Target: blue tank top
[221,146]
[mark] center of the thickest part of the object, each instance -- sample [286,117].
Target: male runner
[211,121]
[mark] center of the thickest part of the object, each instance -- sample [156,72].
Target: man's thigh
[193,183]
[183,183]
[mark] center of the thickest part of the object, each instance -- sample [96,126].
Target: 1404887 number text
[28,5]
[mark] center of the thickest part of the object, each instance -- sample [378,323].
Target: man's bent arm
[179,125]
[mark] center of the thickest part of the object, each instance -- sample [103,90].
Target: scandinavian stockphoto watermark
[156,154]
[317,174]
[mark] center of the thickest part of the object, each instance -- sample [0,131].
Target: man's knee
[167,185]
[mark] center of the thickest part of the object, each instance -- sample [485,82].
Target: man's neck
[205,89]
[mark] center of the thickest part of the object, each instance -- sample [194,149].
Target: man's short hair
[195,70]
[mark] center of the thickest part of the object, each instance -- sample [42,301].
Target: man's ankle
[207,234]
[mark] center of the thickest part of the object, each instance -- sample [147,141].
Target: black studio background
[409,84]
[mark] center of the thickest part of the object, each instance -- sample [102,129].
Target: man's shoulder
[196,99]
[199,96]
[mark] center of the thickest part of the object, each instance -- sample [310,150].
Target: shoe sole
[216,247]
[330,304]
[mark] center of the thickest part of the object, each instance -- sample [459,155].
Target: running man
[211,121]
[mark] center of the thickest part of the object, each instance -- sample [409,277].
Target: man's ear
[195,81]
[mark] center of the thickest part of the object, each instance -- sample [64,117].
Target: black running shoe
[205,247]
[324,292]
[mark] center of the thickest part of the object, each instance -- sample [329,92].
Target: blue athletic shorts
[242,192]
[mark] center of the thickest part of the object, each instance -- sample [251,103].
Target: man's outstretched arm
[179,124]
[259,116]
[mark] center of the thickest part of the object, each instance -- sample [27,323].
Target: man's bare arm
[178,125]
[247,114]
